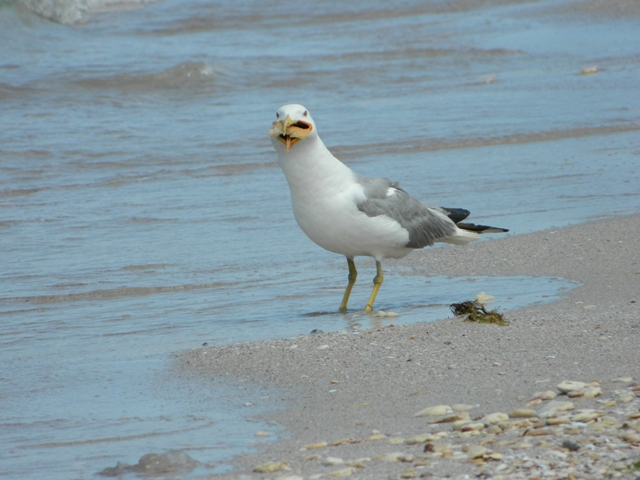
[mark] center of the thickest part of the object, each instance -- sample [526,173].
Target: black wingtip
[456,214]
[472,227]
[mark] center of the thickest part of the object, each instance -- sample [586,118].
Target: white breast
[324,194]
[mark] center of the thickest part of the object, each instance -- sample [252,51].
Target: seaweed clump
[476,312]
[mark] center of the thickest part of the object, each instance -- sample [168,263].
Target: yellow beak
[289,131]
[288,140]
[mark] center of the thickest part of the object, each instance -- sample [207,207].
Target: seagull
[352,215]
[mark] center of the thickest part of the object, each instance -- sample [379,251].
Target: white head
[293,124]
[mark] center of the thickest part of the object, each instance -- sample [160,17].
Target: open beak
[290,132]
[288,140]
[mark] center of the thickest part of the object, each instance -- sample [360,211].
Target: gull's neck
[312,170]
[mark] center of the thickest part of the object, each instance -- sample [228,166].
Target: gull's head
[293,124]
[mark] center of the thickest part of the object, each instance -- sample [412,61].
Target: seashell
[420,439]
[575,393]
[538,432]
[521,413]
[496,417]
[558,421]
[359,463]
[630,437]
[395,457]
[476,451]
[342,441]
[493,456]
[434,411]
[345,472]
[458,425]
[451,418]
[589,71]
[271,467]
[313,446]
[586,415]
[570,386]
[552,408]
[592,392]
[409,473]
[472,426]
[483,298]
[461,407]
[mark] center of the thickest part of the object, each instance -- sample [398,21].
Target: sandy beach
[347,401]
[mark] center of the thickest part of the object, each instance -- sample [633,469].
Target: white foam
[70,12]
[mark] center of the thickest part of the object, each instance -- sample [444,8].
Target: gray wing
[426,224]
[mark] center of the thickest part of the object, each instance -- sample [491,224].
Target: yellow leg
[377,281]
[353,274]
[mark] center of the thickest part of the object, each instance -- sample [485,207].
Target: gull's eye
[306,113]
[277,115]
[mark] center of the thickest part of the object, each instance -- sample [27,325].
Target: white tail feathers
[461,237]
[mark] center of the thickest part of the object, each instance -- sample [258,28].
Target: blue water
[142,212]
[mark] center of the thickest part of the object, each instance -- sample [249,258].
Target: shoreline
[343,387]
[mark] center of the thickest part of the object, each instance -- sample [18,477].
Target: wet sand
[350,385]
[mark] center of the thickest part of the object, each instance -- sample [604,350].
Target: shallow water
[142,212]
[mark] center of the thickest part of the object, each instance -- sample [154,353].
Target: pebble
[571,445]
[333,461]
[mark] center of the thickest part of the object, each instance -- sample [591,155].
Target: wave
[183,74]
[71,12]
